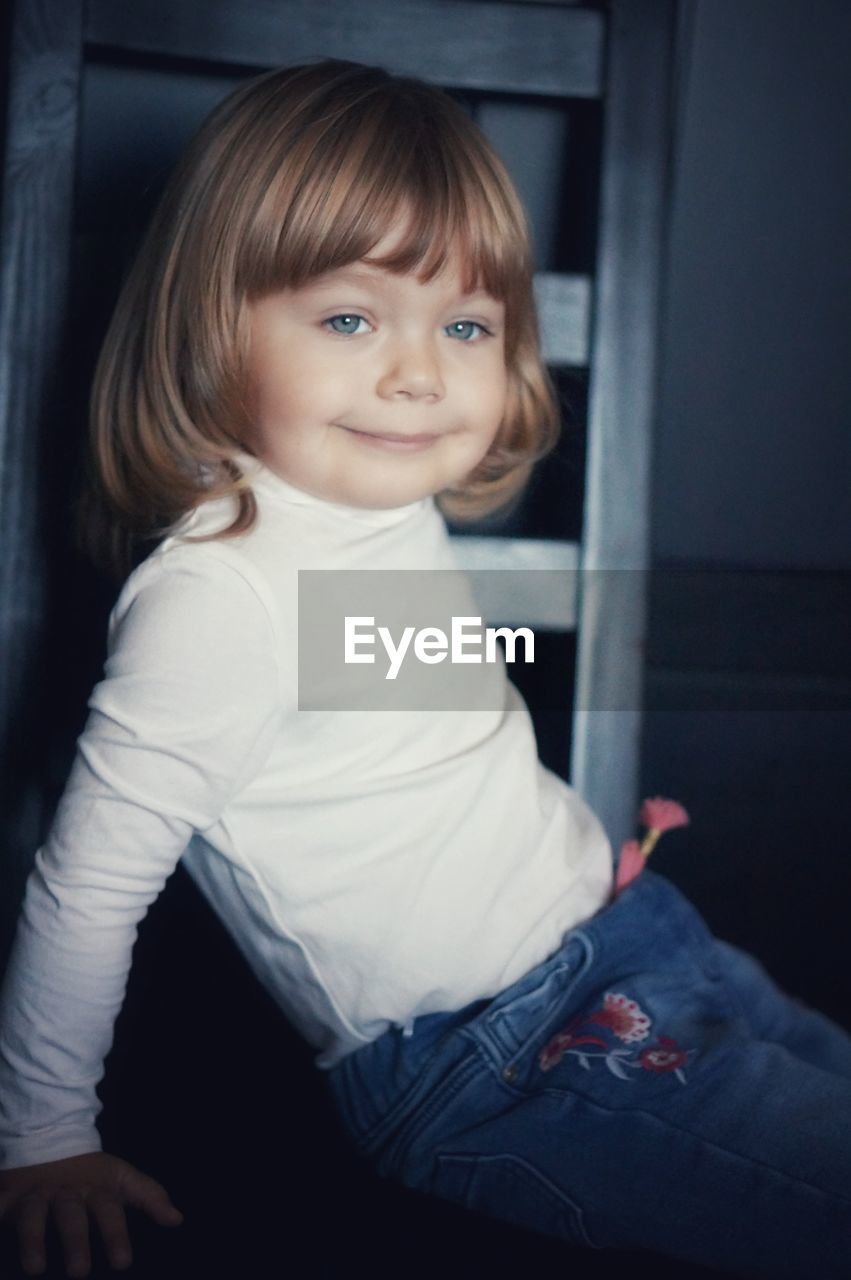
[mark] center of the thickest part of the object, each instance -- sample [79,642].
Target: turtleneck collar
[269,485]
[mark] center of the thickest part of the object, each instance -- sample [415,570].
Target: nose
[411,371]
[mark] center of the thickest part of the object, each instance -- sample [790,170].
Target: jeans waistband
[501,1030]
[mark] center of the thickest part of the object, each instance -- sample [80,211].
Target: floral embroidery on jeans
[622,1016]
[619,1018]
[666,1056]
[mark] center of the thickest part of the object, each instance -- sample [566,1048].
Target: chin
[385,500]
[382,492]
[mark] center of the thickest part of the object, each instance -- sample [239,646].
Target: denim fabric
[647,1086]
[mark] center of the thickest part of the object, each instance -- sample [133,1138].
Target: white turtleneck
[371,867]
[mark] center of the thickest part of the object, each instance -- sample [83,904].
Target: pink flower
[623,1017]
[665,1056]
[553,1050]
[630,864]
[662,815]
[550,1056]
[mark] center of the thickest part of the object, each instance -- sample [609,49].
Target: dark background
[748,689]
[752,492]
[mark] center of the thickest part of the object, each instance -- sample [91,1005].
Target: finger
[31,1224]
[69,1213]
[112,1223]
[148,1194]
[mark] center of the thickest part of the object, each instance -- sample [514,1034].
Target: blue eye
[464,324]
[348,320]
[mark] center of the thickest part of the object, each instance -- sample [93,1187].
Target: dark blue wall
[753,451]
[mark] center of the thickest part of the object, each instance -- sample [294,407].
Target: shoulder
[188,580]
[195,614]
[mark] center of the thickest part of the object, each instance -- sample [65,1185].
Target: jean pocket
[507,1188]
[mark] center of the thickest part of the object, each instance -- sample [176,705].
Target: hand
[71,1189]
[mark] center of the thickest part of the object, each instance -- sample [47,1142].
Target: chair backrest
[575,96]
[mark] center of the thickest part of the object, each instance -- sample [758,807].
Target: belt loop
[408,1028]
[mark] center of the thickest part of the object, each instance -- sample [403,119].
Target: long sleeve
[183,719]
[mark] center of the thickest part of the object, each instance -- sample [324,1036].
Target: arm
[184,717]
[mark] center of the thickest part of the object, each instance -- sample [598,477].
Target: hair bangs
[351,180]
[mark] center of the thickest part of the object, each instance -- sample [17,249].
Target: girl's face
[373,389]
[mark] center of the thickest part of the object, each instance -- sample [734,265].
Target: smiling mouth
[394,440]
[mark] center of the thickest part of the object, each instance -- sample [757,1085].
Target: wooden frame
[546,51]
[45,60]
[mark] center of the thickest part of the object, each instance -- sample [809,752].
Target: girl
[328,329]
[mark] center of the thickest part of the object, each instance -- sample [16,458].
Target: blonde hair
[297,172]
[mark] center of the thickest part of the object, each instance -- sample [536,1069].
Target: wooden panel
[522,597]
[490,552]
[45,51]
[605,752]
[459,43]
[564,311]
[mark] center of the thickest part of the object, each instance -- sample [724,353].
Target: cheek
[494,399]
[311,389]
[285,397]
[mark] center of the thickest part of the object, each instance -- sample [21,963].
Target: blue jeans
[646,1087]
